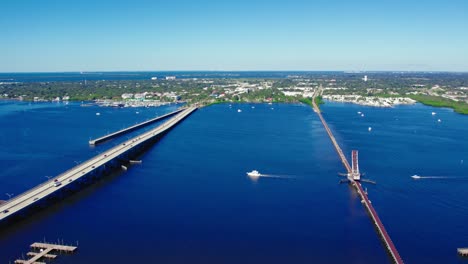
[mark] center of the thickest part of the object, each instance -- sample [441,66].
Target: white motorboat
[254,173]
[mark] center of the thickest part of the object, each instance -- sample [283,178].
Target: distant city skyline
[181,35]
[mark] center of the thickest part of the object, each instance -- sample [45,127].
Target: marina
[44,251]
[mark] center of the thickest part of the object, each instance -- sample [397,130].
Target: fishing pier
[354,178]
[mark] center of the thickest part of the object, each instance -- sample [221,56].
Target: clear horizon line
[343,71]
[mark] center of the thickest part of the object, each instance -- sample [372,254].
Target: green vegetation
[319,100]
[215,102]
[306,101]
[428,88]
[436,101]
[383,95]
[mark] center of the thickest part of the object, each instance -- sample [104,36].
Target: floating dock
[462,252]
[94,142]
[365,200]
[45,249]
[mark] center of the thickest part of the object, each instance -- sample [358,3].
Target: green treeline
[437,101]
[306,101]
[319,100]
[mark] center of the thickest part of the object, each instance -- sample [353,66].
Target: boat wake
[271,176]
[417,177]
[277,176]
[255,175]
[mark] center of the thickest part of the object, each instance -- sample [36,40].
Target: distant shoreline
[435,101]
[370,100]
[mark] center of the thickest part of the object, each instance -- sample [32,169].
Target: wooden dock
[462,252]
[61,248]
[19,261]
[48,256]
[44,250]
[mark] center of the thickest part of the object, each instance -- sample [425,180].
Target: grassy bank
[216,102]
[319,100]
[436,101]
[306,101]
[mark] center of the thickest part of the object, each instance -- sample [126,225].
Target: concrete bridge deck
[94,142]
[61,181]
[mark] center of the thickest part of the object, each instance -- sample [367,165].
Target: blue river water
[190,201]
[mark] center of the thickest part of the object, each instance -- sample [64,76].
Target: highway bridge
[94,142]
[54,185]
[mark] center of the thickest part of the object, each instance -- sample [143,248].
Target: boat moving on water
[417,177]
[254,173]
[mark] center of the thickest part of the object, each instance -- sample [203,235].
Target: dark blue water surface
[426,218]
[191,202]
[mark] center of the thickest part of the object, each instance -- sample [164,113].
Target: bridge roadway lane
[373,214]
[332,137]
[40,191]
[132,128]
[383,232]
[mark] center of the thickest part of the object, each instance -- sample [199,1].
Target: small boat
[254,173]
[98,114]
[238,110]
[359,113]
[416,177]
[370,129]
[438,120]
[433,113]
[362,115]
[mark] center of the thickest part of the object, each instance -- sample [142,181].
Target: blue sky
[156,35]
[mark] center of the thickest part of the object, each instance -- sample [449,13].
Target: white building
[127,96]
[140,96]
[170,78]
[288,93]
